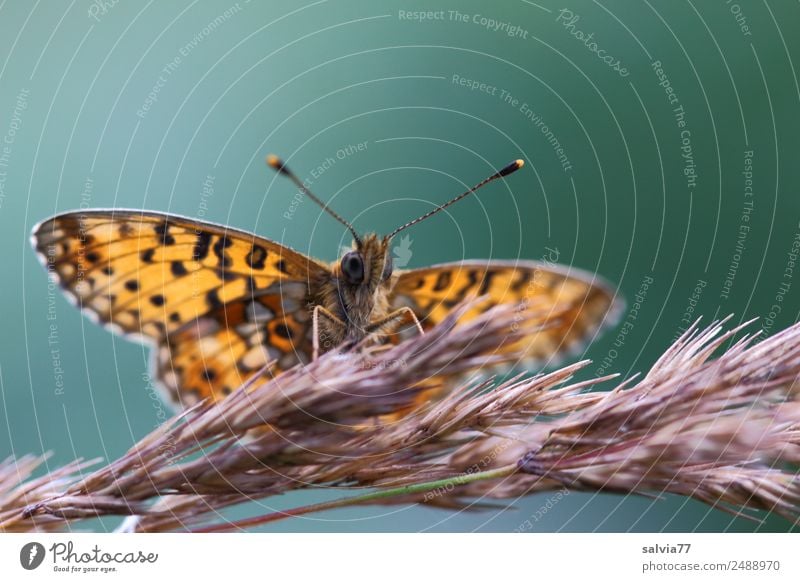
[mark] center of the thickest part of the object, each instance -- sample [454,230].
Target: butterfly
[220,304]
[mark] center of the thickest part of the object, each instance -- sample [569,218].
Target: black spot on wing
[201,246]
[212,299]
[222,243]
[443,280]
[162,232]
[472,280]
[225,275]
[487,282]
[256,257]
[283,331]
[523,277]
[178,269]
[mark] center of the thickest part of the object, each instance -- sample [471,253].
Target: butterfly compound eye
[353,267]
[388,266]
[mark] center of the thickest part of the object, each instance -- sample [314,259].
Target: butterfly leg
[403,313]
[331,318]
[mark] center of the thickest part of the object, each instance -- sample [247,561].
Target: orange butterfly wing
[574,303]
[217,302]
[220,350]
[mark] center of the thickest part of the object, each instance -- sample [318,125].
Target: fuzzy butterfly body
[219,304]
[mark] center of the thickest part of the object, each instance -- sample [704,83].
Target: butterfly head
[368,265]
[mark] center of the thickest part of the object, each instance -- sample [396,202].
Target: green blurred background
[631,194]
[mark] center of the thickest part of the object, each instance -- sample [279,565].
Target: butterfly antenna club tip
[276,163]
[511,168]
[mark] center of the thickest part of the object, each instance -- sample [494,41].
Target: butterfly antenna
[509,169]
[279,166]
